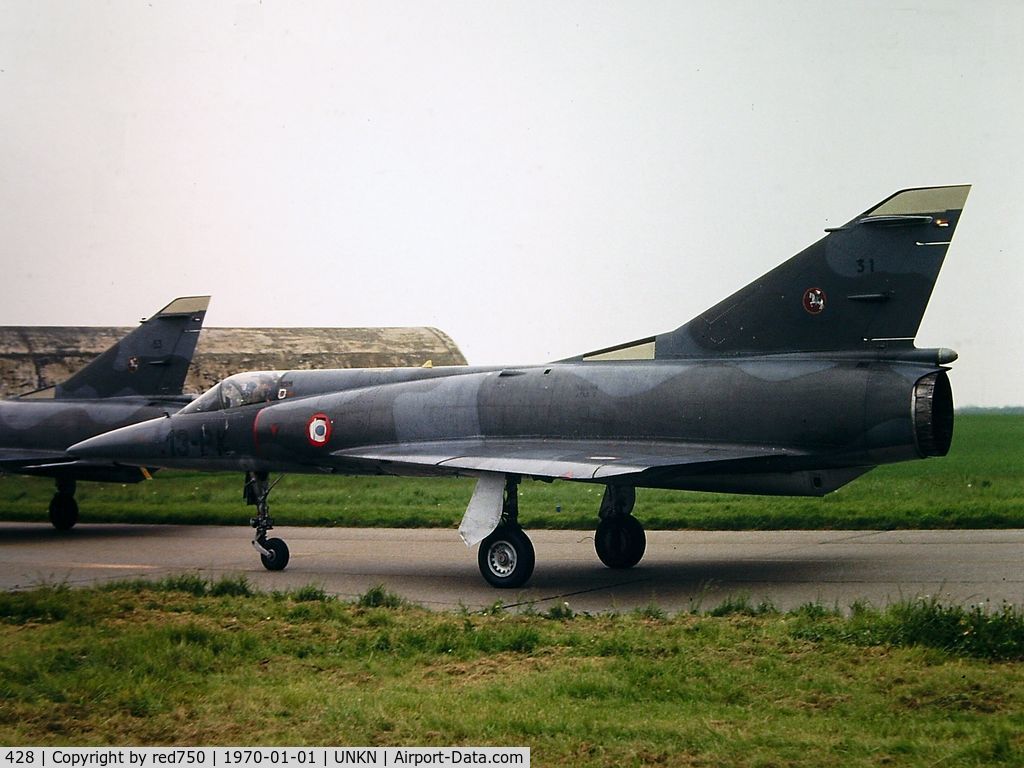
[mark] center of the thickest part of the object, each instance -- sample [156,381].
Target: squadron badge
[814,300]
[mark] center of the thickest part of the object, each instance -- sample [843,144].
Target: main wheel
[506,557]
[63,511]
[278,557]
[620,541]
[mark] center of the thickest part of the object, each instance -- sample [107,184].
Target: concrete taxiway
[682,570]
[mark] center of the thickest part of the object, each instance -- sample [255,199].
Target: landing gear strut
[273,552]
[63,507]
[620,540]
[506,557]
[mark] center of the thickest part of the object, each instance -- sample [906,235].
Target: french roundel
[318,429]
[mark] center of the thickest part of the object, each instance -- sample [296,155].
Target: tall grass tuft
[651,612]
[47,604]
[232,586]
[976,631]
[741,605]
[560,612]
[379,597]
[311,594]
[189,583]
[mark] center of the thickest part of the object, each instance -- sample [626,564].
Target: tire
[63,511]
[620,541]
[278,558]
[506,557]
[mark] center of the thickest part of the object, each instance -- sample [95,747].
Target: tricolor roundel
[318,430]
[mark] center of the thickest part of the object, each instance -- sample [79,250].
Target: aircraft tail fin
[152,360]
[864,286]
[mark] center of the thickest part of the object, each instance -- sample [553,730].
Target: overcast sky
[537,179]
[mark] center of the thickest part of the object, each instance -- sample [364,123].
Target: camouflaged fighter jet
[797,384]
[137,379]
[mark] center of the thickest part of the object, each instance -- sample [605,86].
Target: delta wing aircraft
[137,379]
[798,383]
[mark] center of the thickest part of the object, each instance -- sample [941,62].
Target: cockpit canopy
[238,390]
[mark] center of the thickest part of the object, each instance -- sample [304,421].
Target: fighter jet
[137,379]
[796,384]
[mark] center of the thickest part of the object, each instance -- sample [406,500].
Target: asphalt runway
[682,570]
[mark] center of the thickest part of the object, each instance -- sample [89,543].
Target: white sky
[537,179]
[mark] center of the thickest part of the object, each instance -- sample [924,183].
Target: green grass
[979,485]
[190,662]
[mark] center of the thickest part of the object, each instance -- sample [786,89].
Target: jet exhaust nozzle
[933,414]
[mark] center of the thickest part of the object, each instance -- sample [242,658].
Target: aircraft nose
[138,444]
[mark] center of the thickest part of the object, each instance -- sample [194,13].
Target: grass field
[979,485]
[189,662]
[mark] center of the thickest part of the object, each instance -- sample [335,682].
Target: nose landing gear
[273,552]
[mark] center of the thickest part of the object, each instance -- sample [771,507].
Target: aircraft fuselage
[818,414]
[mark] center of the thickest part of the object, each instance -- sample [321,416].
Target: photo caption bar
[266,757]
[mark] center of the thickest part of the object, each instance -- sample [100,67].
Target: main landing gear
[506,557]
[273,552]
[63,507]
[620,540]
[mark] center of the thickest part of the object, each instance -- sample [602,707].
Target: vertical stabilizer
[864,285]
[152,360]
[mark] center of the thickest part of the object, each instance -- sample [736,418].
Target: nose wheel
[275,555]
[273,552]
